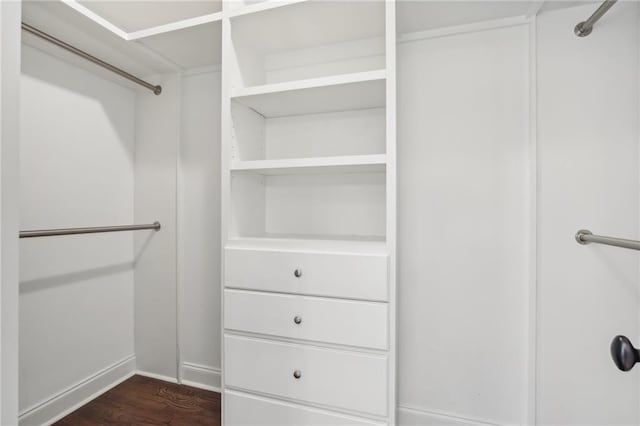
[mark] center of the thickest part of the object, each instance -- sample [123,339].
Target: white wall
[199,230]
[76,169]
[588,178]
[463,251]
[9,213]
[464,265]
[156,151]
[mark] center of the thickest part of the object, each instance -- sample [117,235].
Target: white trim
[418,416]
[146,32]
[75,396]
[391,207]
[97,18]
[156,376]
[179,233]
[207,69]
[175,26]
[534,8]
[9,208]
[462,29]
[532,294]
[638,177]
[201,376]
[261,7]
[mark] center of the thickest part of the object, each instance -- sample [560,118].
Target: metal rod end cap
[579,235]
[157,90]
[156,225]
[582,29]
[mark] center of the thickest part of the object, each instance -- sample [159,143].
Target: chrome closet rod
[155,89]
[584,236]
[583,29]
[73,231]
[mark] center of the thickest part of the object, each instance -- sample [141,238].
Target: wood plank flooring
[145,401]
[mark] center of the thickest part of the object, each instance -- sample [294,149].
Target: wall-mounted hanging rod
[73,231]
[584,236]
[155,89]
[583,29]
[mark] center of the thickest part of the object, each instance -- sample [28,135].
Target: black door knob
[623,353]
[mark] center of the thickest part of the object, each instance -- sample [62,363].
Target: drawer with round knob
[243,409]
[353,276]
[321,319]
[355,381]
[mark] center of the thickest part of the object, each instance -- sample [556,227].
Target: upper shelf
[327,94]
[99,29]
[146,38]
[417,16]
[63,22]
[133,16]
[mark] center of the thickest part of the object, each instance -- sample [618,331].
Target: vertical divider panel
[9,147]
[225,178]
[390,58]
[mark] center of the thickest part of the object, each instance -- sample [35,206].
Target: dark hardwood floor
[144,401]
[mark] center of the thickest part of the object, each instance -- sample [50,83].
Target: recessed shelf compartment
[273,42]
[320,206]
[327,94]
[337,164]
[336,134]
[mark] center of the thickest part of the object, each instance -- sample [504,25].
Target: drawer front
[241,409]
[342,379]
[320,274]
[336,321]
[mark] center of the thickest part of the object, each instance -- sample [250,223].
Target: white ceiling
[138,15]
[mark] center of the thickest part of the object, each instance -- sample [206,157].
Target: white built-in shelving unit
[309,212]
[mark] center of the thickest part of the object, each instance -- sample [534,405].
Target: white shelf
[338,164]
[302,243]
[327,94]
[63,22]
[135,16]
[189,46]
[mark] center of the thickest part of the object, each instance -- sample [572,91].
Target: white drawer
[348,380]
[321,319]
[321,274]
[242,409]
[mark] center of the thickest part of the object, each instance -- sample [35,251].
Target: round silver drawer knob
[297,374]
[297,273]
[297,319]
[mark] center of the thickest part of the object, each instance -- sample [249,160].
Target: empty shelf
[338,164]
[327,94]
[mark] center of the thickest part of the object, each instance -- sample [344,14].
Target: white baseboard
[408,416]
[157,376]
[70,399]
[201,376]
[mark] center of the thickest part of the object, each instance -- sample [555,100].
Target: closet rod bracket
[585,28]
[580,234]
[584,236]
